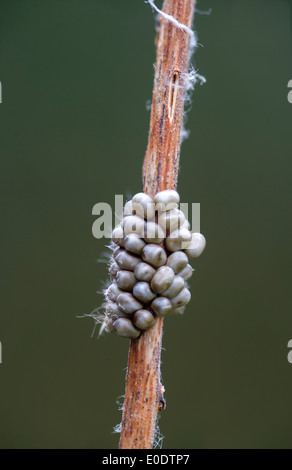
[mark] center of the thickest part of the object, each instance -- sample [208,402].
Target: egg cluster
[149,264]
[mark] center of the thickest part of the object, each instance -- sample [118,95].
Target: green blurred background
[76,77]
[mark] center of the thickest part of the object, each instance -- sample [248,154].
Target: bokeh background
[76,77]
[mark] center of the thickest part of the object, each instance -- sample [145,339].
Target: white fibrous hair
[97,317]
[176,23]
[117,428]
[192,77]
[158,437]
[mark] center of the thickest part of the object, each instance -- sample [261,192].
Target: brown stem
[144,392]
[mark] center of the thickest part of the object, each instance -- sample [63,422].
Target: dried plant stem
[144,392]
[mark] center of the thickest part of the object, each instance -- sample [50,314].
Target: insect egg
[186,225]
[126,280]
[196,246]
[143,319]
[118,235]
[166,200]
[133,224]
[175,287]
[112,309]
[144,205]
[181,299]
[127,303]
[129,209]
[143,292]
[178,310]
[162,279]
[114,269]
[187,272]
[171,220]
[116,251]
[144,272]
[161,306]
[124,327]
[177,261]
[108,324]
[127,261]
[154,255]
[153,233]
[177,239]
[113,291]
[134,243]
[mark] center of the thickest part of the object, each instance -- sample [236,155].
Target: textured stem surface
[144,392]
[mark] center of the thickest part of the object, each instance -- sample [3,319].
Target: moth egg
[161,306]
[171,220]
[124,327]
[136,209]
[118,235]
[186,225]
[144,205]
[178,239]
[134,243]
[175,287]
[154,255]
[133,224]
[116,251]
[177,261]
[112,309]
[113,269]
[144,272]
[162,279]
[181,299]
[153,233]
[128,209]
[107,325]
[112,292]
[196,246]
[127,261]
[143,292]
[143,319]
[127,303]
[178,311]
[126,280]
[187,272]
[166,200]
